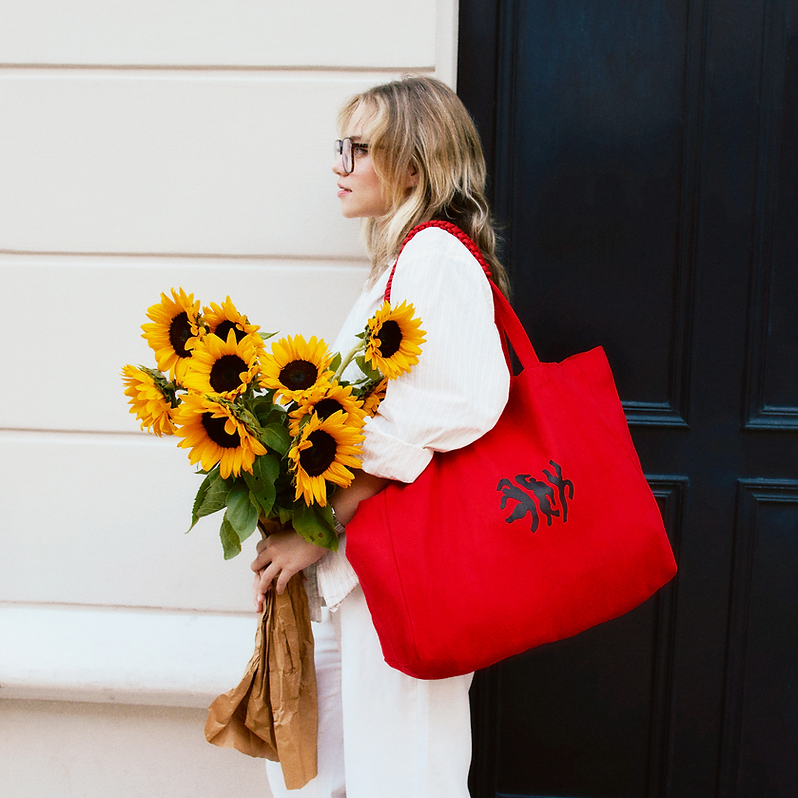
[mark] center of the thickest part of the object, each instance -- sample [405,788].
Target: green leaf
[276,437]
[366,368]
[230,542]
[263,504]
[266,411]
[314,528]
[261,491]
[325,516]
[266,468]
[198,501]
[266,336]
[211,497]
[335,362]
[241,514]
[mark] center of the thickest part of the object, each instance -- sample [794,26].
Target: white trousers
[382,734]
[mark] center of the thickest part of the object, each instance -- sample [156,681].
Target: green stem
[348,359]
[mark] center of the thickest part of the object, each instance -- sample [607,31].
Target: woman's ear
[412,177]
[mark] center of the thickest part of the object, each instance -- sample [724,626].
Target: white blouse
[453,395]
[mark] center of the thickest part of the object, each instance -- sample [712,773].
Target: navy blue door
[644,158]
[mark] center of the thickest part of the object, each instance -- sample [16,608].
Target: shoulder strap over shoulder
[449,228]
[510,327]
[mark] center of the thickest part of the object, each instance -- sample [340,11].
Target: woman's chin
[349,213]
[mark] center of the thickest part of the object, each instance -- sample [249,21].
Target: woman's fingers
[263,558]
[262,543]
[263,581]
[258,596]
[281,583]
[280,556]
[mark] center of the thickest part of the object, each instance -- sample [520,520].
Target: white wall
[143,145]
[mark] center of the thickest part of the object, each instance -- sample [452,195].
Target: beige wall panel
[383,33]
[100,519]
[172,162]
[65,750]
[132,132]
[88,314]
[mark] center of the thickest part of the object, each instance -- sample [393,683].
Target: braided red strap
[450,228]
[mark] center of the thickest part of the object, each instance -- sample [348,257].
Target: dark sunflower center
[215,429]
[224,328]
[390,337]
[316,459]
[225,373]
[326,407]
[299,375]
[179,333]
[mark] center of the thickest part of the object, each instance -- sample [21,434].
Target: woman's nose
[337,166]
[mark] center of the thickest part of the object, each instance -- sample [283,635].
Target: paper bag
[273,713]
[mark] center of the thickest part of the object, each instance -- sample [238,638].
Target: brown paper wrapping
[273,713]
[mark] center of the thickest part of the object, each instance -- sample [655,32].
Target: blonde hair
[419,126]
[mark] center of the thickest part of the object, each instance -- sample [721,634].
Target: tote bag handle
[509,325]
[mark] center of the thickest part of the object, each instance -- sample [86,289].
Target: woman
[409,154]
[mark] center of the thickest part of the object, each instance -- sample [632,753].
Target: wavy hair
[418,125]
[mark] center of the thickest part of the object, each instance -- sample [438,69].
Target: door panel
[645,163]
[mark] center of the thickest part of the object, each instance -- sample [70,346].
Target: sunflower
[223,318]
[324,449]
[393,340]
[374,396]
[150,399]
[336,397]
[223,367]
[174,331]
[215,435]
[296,369]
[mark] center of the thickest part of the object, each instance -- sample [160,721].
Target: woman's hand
[285,553]
[280,556]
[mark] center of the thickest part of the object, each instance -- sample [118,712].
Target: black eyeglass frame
[346,149]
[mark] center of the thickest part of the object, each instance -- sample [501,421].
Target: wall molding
[123,656]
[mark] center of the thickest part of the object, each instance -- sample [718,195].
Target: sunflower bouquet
[274,433]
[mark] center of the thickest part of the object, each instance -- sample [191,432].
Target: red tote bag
[537,531]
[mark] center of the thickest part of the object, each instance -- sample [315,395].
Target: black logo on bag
[548,498]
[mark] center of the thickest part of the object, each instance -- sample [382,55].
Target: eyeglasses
[347,149]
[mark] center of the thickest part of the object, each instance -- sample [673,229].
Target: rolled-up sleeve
[459,387]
